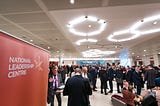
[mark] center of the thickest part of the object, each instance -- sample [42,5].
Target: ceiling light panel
[96,53]
[85,40]
[134,35]
[144,21]
[135,29]
[82,19]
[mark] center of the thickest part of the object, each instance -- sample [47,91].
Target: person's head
[150,67]
[130,88]
[84,69]
[78,70]
[137,68]
[126,85]
[55,70]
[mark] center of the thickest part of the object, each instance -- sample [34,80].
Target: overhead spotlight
[86,16]
[155,22]
[72,1]
[89,26]
[142,20]
[68,25]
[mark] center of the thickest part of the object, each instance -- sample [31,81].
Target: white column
[146,60]
[156,59]
[60,61]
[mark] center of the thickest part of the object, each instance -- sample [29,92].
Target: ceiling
[44,23]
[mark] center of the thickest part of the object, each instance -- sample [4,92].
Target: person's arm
[66,89]
[87,87]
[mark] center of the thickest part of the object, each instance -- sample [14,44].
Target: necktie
[55,83]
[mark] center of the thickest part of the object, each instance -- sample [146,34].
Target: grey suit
[52,91]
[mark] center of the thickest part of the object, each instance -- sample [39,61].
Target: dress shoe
[94,90]
[119,92]
[106,93]
[110,91]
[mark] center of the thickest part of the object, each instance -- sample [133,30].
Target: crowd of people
[82,81]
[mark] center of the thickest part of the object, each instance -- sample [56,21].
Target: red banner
[23,73]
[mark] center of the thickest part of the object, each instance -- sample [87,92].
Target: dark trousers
[138,89]
[103,86]
[58,96]
[94,83]
[111,85]
[119,85]
[88,100]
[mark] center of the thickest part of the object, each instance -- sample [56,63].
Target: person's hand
[51,79]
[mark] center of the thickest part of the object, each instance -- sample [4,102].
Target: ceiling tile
[9,27]
[2,21]
[131,2]
[65,4]
[28,18]
[38,26]
[12,6]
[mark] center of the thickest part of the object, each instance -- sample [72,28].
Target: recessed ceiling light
[72,1]
[144,55]
[57,51]
[137,56]
[144,50]
[48,47]
[31,40]
[89,26]
[132,53]
[155,22]
[159,53]
[81,19]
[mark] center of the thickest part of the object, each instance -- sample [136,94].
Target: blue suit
[52,91]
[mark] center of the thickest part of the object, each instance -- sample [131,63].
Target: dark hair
[130,88]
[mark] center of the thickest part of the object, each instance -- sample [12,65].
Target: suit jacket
[137,79]
[103,74]
[77,89]
[150,76]
[111,74]
[59,80]
[129,76]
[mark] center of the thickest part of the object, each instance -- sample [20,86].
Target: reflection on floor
[96,99]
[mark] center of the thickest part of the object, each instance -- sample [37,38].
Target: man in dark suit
[111,72]
[77,89]
[103,74]
[54,82]
[93,73]
[137,79]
